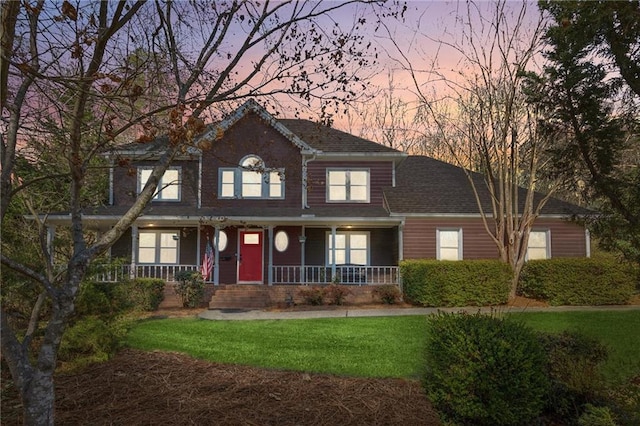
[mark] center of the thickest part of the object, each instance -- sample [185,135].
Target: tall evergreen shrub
[484,370]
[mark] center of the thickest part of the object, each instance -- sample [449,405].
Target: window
[351,248]
[449,244]
[538,247]
[222,240]
[227,186]
[348,185]
[281,241]
[251,179]
[158,247]
[168,187]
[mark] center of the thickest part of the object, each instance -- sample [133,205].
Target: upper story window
[348,185]
[251,179]
[168,187]
[449,244]
[538,246]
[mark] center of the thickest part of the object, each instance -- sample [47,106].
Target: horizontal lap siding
[292,255]
[125,184]
[380,176]
[419,238]
[251,135]
[567,238]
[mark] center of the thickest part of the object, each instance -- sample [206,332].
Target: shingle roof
[328,139]
[305,134]
[428,186]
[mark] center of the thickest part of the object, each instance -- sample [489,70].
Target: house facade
[287,201]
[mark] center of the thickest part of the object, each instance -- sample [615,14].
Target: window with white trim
[348,185]
[350,248]
[158,247]
[449,244]
[168,187]
[538,246]
[222,240]
[251,179]
[281,241]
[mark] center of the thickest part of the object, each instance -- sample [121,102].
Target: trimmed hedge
[578,281]
[461,283]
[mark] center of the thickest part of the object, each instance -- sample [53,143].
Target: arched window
[251,179]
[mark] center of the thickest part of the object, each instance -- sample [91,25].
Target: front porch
[276,275]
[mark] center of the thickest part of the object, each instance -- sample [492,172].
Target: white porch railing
[287,274]
[344,274]
[120,272]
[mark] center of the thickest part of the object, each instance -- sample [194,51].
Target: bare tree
[486,121]
[86,76]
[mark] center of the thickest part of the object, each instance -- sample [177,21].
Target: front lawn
[365,347]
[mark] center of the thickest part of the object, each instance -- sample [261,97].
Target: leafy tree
[79,79]
[593,91]
[483,115]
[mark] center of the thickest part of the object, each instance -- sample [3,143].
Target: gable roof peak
[251,105]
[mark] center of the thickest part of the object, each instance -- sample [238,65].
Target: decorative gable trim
[251,105]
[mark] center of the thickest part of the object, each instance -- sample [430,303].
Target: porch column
[198,251]
[216,255]
[270,269]
[303,273]
[134,251]
[333,252]
[51,233]
[587,242]
[401,242]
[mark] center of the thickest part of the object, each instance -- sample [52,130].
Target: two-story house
[289,201]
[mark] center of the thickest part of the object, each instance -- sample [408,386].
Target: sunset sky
[429,26]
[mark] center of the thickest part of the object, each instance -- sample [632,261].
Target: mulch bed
[159,388]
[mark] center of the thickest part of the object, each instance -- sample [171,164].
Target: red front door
[250,259]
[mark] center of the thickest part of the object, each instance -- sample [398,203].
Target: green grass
[619,331]
[366,347]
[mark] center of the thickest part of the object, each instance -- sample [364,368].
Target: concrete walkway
[231,315]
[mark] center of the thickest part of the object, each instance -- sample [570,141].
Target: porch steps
[240,296]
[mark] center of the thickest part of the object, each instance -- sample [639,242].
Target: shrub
[484,370]
[573,369]
[596,416]
[147,293]
[92,339]
[387,293]
[312,295]
[336,294]
[103,299]
[624,400]
[461,283]
[569,281]
[190,288]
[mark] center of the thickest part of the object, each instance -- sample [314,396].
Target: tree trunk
[38,399]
